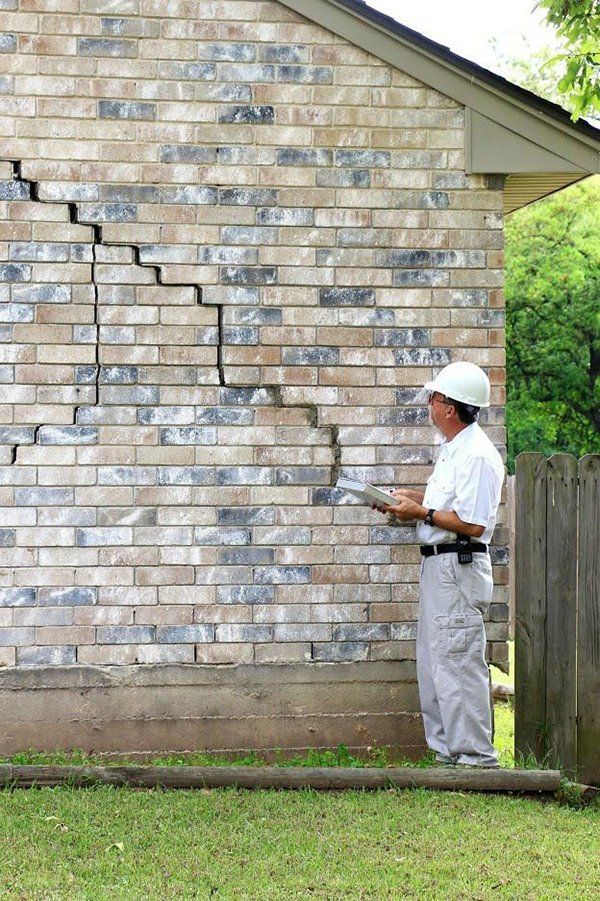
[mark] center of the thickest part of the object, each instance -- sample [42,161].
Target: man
[455,519]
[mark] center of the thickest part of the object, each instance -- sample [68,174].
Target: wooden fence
[557,617]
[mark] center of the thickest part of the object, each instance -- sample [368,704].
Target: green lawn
[107,843]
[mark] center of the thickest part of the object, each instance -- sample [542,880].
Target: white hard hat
[464,382]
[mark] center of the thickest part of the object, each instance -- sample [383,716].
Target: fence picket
[561,610]
[530,613]
[588,631]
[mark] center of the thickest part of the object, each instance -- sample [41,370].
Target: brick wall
[233,247]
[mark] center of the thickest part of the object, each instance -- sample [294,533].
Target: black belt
[430,550]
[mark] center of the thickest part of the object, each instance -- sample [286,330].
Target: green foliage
[553,324]
[578,23]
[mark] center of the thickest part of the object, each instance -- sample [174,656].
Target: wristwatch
[429,518]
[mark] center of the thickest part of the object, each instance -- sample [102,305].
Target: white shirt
[467,478]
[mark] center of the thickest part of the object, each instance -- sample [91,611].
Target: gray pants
[451,668]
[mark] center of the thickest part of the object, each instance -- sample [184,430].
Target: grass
[113,843]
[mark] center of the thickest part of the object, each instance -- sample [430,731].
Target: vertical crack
[337,454]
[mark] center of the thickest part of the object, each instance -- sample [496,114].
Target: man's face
[438,407]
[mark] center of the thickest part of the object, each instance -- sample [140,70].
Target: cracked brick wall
[233,247]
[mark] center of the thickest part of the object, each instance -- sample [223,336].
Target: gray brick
[285,216]
[103,537]
[138,395]
[433,356]
[402,337]
[419,278]
[237,53]
[282,575]
[43,497]
[7,377]
[252,115]
[8,43]
[283,53]
[405,258]
[245,73]
[302,632]
[248,196]
[289,156]
[186,475]
[194,194]
[67,516]
[7,86]
[245,516]
[67,597]
[6,333]
[248,275]
[470,297]
[165,415]
[337,652]
[245,594]
[242,335]
[404,416]
[14,190]
[129,193]
[305,74]
[224,416]
[198,632]
[85,375]
[7,537]
[126,109]
[249,632]
[404,631]
[187,435]
[249,397]
[50,655]
[248,234]
[392,534]
[302,475]
[344,178]
[107,212]
[20,637]
[42,294]
[67,434]
[325,497]
[246,556]
[126,475]
[64,190]
[118,375]
[220,254]
[498,613]
[253,316]
[106,47]
[361,632]
[420,159]
[84,334]
[125,634]
[363,159]
[310,356]
[17,597]
[244,475]
[207,535]
[191,71]
[16,312]
[14,272]
[465,259]
[43,616]
[499,556]
[187,153]
[346,297]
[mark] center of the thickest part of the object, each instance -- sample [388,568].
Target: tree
[578,23]
[553,324]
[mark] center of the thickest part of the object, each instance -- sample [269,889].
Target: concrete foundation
[140,710]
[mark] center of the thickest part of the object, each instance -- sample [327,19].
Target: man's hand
[405,511]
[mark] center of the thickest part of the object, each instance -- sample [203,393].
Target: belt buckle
[435,550]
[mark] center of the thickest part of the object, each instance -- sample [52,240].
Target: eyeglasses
[432,397]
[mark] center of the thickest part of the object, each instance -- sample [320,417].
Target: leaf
[118,845]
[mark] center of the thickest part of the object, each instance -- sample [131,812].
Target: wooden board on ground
[325,778]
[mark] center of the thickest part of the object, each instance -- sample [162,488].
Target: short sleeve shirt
[467,479]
